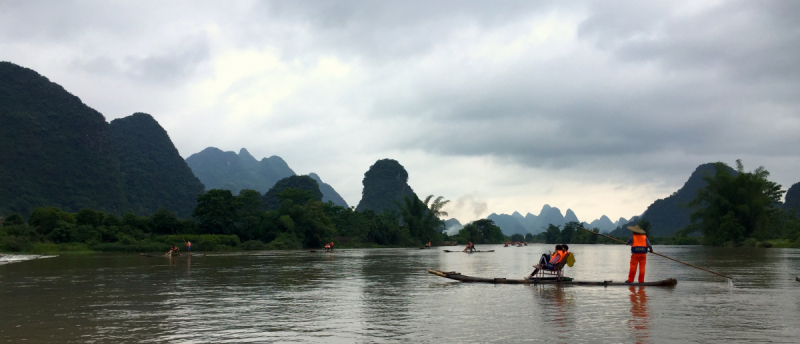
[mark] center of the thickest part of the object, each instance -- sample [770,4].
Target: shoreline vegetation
[741,210]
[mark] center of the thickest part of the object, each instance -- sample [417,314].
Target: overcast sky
[600,107]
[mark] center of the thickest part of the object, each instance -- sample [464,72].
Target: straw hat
[636,229]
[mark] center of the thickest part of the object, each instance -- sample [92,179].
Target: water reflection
[639,324]
[385,302]
[557,310]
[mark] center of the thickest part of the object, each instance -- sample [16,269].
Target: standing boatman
[189,247]
[640,244]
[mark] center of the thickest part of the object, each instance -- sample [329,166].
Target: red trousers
[639,259]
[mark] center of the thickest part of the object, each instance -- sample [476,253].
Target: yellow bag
[570,259]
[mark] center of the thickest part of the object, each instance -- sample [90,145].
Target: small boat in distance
[551,280]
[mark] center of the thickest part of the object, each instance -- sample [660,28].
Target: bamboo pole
[660,255]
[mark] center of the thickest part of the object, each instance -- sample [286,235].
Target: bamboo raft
[470,251]
[550,280]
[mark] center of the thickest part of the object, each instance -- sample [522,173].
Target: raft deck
[565,281]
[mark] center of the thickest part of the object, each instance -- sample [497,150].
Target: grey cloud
[166,68]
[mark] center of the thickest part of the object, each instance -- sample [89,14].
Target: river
[386,295]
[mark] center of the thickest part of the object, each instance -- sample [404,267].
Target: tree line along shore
[731,210]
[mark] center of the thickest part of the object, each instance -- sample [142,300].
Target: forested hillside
[55,150]
[155,174]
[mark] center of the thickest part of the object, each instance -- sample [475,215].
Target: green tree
[47,219]
[88,217]
[731,209]
[552,235]
[569,232]
[421,218]
[164,221]
[13,220]
[216,212]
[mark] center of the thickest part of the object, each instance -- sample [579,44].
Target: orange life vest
[639,243]
[556,258]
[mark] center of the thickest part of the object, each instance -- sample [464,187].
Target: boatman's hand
[651,250]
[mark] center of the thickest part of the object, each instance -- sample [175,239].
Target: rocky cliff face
[385,183]
[155,174]
[55,150]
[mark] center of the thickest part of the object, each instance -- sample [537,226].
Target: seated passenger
[548,261]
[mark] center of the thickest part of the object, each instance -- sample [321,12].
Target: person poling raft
[660,255]
[640,245]
[470,247]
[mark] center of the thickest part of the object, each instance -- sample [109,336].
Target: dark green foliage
[47,219]
[164,221]
[155,174]
[357,228]
[13,220]
[55,149]
[732,208]
[272,200]
[481,232]
[552,235]
[254,245]
[569,231]
[516,237]
[229,171]
[216,212]
[422,222]
[529,237]
[385,185]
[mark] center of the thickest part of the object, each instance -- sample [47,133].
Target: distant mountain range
[235,172]
[535,224]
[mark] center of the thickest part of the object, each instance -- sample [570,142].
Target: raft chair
[555,271]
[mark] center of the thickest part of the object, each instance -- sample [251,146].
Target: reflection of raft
[550,280]
[471,251]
